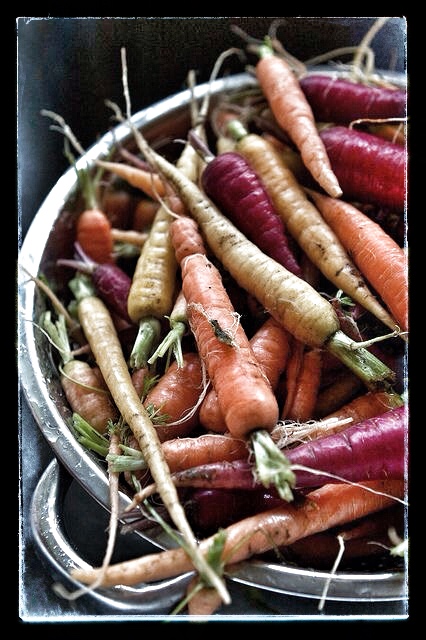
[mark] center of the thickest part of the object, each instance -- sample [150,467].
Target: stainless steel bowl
[48,239]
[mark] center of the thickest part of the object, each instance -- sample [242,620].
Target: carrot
[144,214]
[293,113]
[342,100]
[153,286]
[307,387]
[222,342]
[342,390]
[225,349]
[320,550]
[314,321]
[83,384]
[111,282]
[366,405]
[371,449]
[93,233]
[270,346]
[93,228]
[186,237]
[175,395]
[183,453]
[381,260]
[240,194]
[293,368]
[147,181]
[118,204]
[370,169]
[305,223]
[152,289]
[101,335]
[320,510]
[293,302]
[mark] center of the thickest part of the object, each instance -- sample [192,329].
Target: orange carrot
[93,227]
[381,260]
[93,233]
[83,384]
[186,237]
[175,396]
[270,345]
[307,386]
[225,350]
[183,453]
[366,405]
[293,113]
[329,506]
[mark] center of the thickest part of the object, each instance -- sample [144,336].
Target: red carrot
[341,100]
[239,193]
[369,169]
[370,450]
[112,283]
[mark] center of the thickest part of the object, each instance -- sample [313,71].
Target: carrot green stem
[372,371]
[89,437]
[57,332]
[81,286]
[236,129]
[172,342]
[146,341]
[272,466]
[121,463]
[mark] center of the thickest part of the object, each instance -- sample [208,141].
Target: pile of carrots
[190,339]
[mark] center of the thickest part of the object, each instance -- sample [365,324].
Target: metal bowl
[48,238]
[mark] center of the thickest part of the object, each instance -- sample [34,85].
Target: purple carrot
[342,101]
[236,189]
[369,450]
[111,282]
[372,449]
[369,169]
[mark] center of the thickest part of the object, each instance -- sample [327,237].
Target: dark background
[70,66]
